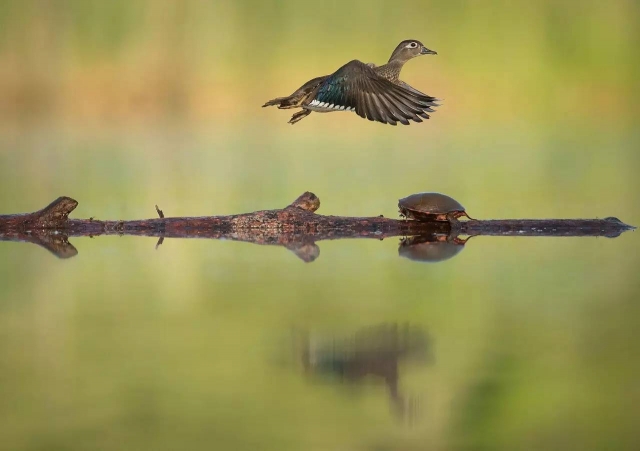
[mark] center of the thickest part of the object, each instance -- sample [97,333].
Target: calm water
[513,343]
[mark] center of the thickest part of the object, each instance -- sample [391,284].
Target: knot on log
[56,213]
[307,201]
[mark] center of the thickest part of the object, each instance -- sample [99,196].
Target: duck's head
[410,49]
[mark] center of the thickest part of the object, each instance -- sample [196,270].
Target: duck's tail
[283,102]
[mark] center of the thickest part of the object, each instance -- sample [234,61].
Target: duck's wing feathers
[412,89]
[356,87]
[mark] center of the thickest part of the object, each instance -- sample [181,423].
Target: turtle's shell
[428,204]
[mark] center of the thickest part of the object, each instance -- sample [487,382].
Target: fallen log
[296,227]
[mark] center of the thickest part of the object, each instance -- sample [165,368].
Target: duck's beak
[426,51]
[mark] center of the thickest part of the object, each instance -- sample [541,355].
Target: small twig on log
[160,213]
[160,241]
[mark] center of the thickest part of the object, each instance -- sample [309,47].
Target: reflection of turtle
[431,207]
[430,248]
[372,351]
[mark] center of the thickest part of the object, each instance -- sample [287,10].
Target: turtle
[431,207]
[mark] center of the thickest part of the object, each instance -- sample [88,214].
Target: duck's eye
[412,45]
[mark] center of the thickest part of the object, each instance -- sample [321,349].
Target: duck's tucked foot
[299,116]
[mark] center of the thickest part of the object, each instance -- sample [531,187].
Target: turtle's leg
[459,214]
[454,215]
[299,116]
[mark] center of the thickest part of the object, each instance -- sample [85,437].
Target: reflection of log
[55,242]
[297,227]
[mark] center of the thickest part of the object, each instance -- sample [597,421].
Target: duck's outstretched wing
[356,87]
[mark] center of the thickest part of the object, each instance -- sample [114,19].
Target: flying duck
[372,92]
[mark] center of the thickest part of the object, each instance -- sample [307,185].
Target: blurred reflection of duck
[372,352]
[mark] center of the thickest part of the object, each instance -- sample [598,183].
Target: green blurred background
[126,104]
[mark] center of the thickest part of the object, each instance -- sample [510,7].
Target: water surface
[526,343]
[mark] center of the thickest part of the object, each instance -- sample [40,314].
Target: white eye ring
[411,45]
